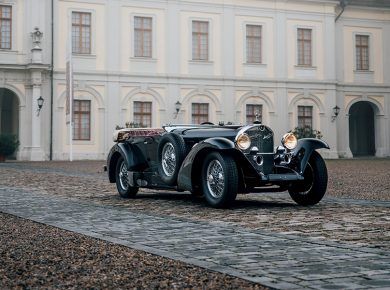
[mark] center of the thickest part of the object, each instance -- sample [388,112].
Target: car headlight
[289,141]
[243,141]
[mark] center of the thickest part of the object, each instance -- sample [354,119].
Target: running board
[282,177]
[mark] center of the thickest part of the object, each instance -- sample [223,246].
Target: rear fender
[191,167]
[133,156]
[304,149]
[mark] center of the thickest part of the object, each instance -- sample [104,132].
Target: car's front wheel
[219,179]
[312,189]
[122,182]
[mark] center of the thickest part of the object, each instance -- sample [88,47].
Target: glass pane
[75,18]
[86,18]
[137,22]
[5,12]
[148,23]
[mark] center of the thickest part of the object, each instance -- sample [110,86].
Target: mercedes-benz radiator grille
[262,137]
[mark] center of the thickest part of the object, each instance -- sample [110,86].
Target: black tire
[171,153]
[124,189]
[311,190]
[215,196]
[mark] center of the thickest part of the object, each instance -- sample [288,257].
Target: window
[200,113]
[253,111]
[200,40]
[142,36]
[143,114]
[253,43]
[5,27]
[362,61]
[81,120]
[81,32]
[304,46]
[305,116]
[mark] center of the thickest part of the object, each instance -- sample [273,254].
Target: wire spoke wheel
[215,179]
[171,154]
[123,177]
[168,159]
[125,189]
[219,179]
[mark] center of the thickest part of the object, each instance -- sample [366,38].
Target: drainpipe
[343,4]
[52,80]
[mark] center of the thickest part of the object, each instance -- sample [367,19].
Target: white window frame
[263,39]
[154,36]
[313,46]
[93,30]
[93,115]
[371,55]
[210,39]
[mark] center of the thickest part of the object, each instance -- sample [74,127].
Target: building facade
[289,63]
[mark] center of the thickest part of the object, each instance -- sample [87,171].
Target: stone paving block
[376,283]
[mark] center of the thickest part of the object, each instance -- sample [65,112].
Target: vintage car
[217,162]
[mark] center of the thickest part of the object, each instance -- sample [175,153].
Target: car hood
[207,132]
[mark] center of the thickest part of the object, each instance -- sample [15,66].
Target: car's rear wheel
[171,153]
[219,179]
[312,189]
[121,180]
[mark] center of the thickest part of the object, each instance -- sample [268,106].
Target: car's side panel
[305,148]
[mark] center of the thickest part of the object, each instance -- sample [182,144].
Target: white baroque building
[290,61]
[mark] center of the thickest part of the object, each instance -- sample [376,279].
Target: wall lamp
[177,108]
[40,102]
[336,111]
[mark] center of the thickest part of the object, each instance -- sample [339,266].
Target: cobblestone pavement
[265,238]
[271,259]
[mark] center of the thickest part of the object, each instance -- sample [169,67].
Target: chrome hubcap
[123,176]
[215,179]
[168,159]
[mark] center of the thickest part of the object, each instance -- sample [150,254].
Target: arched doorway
[362,129]
[9,113]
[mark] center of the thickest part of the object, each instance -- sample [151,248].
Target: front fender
[193,161]
[304,149]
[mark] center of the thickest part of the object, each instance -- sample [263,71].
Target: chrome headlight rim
[243,141]
[289,141]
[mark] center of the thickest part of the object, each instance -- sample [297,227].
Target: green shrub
[8,144]
[306,132]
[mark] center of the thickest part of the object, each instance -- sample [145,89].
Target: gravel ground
[359,178]
[33,255]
